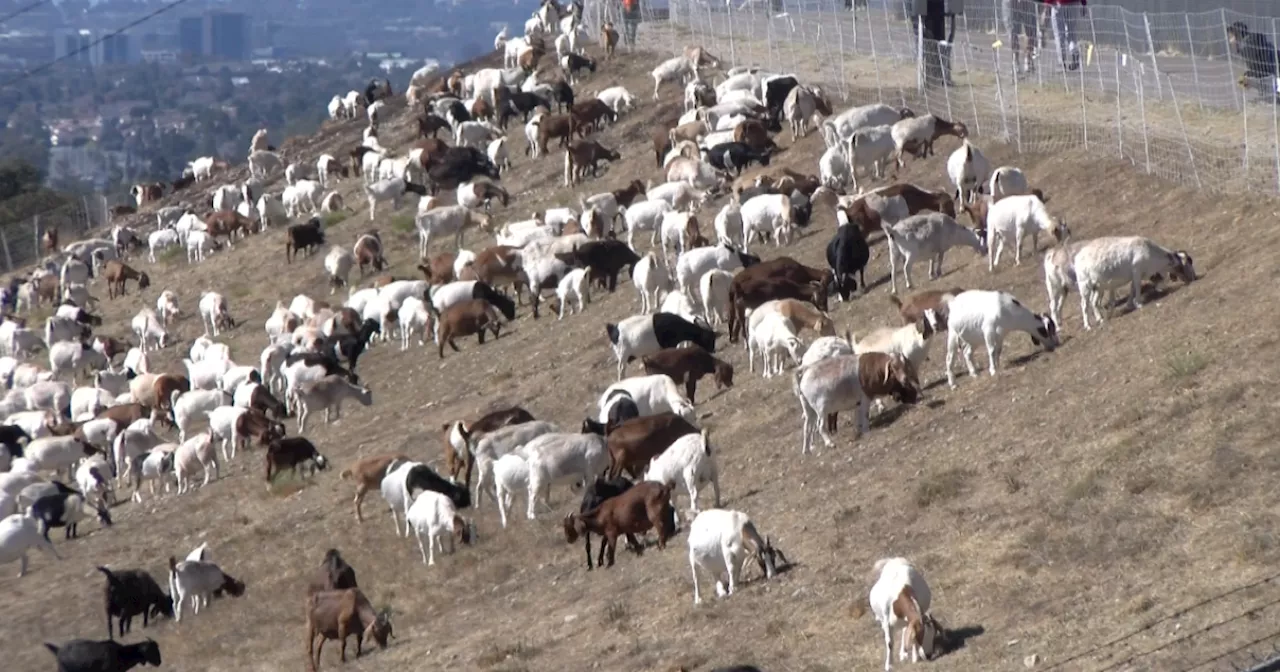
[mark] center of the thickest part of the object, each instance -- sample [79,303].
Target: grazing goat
[1105,264]
[687,366]
[130,593]
[368,473]
[901,595]
[338,614]
[1015,217]
[290,453]
[845,383]
[687,460]
[928,234]
[989,316]
[198,580]
[328,393]
[435,515]
[116,273]
[640,508]
[721,541]
[86,655]
[641,335]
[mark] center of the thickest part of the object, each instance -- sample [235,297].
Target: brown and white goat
[368,253]
[469,317]
[459,435]
[633,442]
[912,309]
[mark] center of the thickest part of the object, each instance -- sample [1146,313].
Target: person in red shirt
[630,21]
[1065,13]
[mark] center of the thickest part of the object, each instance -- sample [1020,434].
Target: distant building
[95,48]
[220,36]
[191,35]
[228,36]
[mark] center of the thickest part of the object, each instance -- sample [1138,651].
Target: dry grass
[1077,496]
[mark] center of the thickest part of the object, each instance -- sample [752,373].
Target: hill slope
[1072,499]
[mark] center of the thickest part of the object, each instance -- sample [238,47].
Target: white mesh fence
[1164,91]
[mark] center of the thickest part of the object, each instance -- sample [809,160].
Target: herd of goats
[643,443]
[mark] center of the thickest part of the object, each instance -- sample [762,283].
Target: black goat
[87,655]
[351,346]
[736,156]
[563,95]
[847,253]
[606,258]
[482,290]
[327,360]
[301,237]
[10,435]
[333,574]
[524,102]
[131,592]
[422,477]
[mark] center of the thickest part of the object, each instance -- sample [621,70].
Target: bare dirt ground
[1090,506]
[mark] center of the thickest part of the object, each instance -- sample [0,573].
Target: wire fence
[1163,91]
[82,217]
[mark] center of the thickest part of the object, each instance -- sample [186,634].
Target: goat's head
[899,376]
[930,324]
[723,374]
[231,585]
[1046,333]
[1181,266]
[769,558]
[573,528]
[380,629]
[1060,231]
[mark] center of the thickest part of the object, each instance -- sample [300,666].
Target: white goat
[1107,263]
[968,169]
[901,595]
[434,515]
[652,394]
[989,316]
[687,460]
[928,234]
[1014,217]
[768,337]
[721,541]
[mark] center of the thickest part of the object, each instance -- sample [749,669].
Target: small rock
[570,618]
[1012,642]
[1031,660]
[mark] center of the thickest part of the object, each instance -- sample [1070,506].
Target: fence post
[1142,108]
[35,242]
[1119,115]
[1151,49]
[8,258]
[964,53]
[1054,16]
[920,77]
[1195,69]
[1093,51]
[1084,107]
[1230,65]
[1275,114]
[728,18]
[1017,109]
[844,88]
[1195,171]
[1004,116]
[875,56]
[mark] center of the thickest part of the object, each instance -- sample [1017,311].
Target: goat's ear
[888,372]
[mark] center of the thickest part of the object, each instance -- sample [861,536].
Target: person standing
[1258,53]
[630,21]
[1020,17]
[1065,14]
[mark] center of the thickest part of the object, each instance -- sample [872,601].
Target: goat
[640,508]
[721,542]
[991,315]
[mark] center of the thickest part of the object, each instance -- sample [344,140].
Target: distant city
[204,31]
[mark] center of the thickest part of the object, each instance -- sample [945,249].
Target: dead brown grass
[1133,467]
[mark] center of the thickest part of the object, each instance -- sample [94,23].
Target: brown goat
[688,366]
[469,317]
[528,59]
[467,433]
[368,253]
[584,154]
[439,269]
[117,273]
[554,126]
[937,300]
[589,115]
[124,414]
[752,292]
[165,385]
[254,424]
[924,148]
[368,473]
[691,131]
[498,266]
[227,223]
[642,507]
[609,38]
[753,134]
[633,442]
[338,614]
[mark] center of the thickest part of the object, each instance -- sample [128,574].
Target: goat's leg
[888,645]
[611,541]
[421,549]
[994,346]
[693,569]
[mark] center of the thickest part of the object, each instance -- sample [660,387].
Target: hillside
[1057,509]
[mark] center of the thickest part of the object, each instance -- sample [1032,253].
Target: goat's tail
[111,577]
[706,441]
